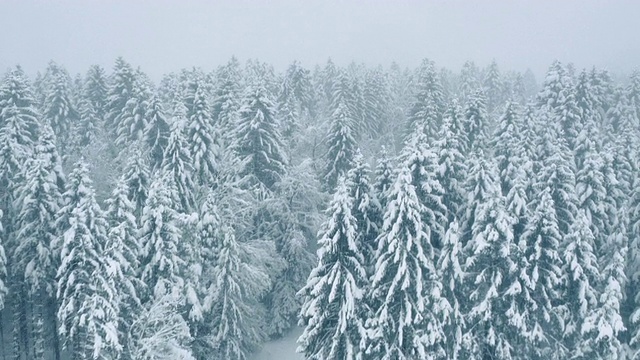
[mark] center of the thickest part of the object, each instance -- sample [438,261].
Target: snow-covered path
[282,349]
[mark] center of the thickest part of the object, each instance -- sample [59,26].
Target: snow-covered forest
[388,212]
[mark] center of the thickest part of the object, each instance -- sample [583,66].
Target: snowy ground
[282,349]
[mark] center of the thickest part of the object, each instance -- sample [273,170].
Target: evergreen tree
[333,310]
[426,111]
[508,151]
[366,209]
[156,133]
[132,120]
[226,101]
[493,85]
[178,162]
[469,79]
[342,146]
[96,90]
[452,275]
[124,249]
[490,252]
[161,262]
[423,163]
[200,133]
[122,89]
[137,178]
[581,276]
[383,177]
[541,275]
[452,168]
[258,143]
[59,111]
[405,291]
[476,122]
[88,311]
[236,322]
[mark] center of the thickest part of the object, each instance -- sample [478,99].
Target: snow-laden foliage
[405,294]
[86,290]
[333,311]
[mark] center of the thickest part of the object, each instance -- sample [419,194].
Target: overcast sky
[163,36]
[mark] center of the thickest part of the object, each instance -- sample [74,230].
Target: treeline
[180,220]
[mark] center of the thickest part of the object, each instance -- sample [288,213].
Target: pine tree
[178,162]
[88,311]
[423,163]
[342,146]
[138,178]
[490,252]
[161,262]
[476,122]
[236,321]
[226,101]
[200,133]
[157,133]
[405,292]
[426,111]
[124,249]
[96,90]
[469,81]
[333,310]
[581,277]
[541,275]
[258,143]
[132,120]
[493,85]
[452,168]
[34,259]
[122,89]
[508,151]
[366,210]
[451,271]
[59,111]
[383,177]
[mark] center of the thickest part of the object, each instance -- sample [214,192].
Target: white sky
[162,35]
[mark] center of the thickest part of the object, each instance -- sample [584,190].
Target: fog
[162,36]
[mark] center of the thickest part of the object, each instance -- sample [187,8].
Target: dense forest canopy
[391,213]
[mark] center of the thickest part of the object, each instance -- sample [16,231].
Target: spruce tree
[541,274]
[161,262]
[258,143]
[120,92]
[124,249]
[156,134]
[88,307]
[383,177]
[476,122]
[581,276]
[490,252]
[236,321]
[405,291]
[96,90]
[451,272]
[178,163]
[366,209]
[333,311]
[200,133]
[342,146]
[59,112]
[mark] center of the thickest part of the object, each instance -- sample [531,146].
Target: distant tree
[258,143]
[200,133]
[342,146]
[156,133]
